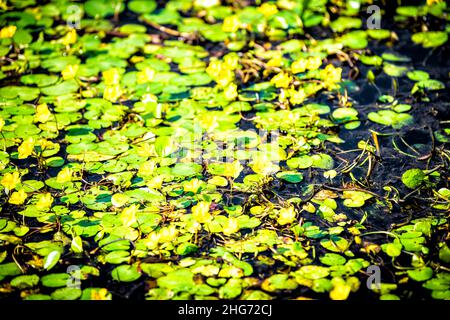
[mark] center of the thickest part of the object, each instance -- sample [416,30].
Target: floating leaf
[422,274]
[126,273]
[413,178]
[51,259]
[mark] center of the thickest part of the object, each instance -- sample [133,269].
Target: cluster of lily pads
[159,152]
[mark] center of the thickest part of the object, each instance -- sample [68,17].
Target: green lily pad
[422,274]
[391,118]
[179,280]
[413,178]
[332,259]
[430,39]
[290,176]
[25,281]
[126,273]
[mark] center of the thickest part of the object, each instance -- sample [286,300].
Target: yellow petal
[340,292]
[147,168]
[18,197]
[8,32]
[313,63]
[231,92]
[10,180]
[43,114]
[70,37]
[156,182]
[297,97]
[192,186]
[65,175]
[145,75]
[45,201]
[286,215]
[262,165]
[281,80]
[231,227]
[111,76]
[70,71]
[298,66]
[233,169]
[231,24]
[268,9]
[200,212]
[112,93]
[152,240]
[26,148]
[128,215]
[100,294]
[224,77]
[168,234]
[231,61]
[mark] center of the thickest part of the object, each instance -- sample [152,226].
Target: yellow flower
[8,32]
[231,60]
[45,201]
[209,123]
[26,148]
[313,63]
[233,169]
[224,77]
[112,93]
[100,294]
[232,226]
[331,76]
[168,234]
[152,240]
[111,76]
[145,150]
[11,180]
[2,123]
[42,113]
[156,182]
[145,75]
[128,215]
[147,168]
[192,185]
[297,97]
[18,197]
[275,61]
[231,92]
[263,165]
[281,80]
[200,212]
[65,175]
[70,71]
[298,66]
[340,291]
[70,37]
[149,98]
[268,9]
[44,144]
[222,72]
[286,215]
[214,68]
[231,24]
